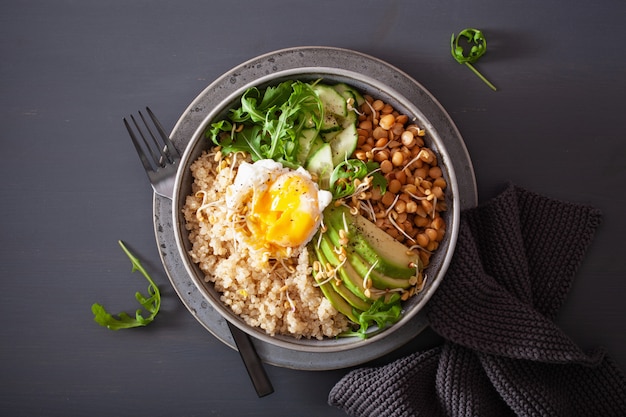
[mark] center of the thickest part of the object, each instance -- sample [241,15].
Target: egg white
[250,194]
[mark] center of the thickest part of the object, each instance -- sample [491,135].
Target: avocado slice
[349,293]
[356,268]
[379,280]
[391,258]
[335,299]
[352,281]
[350,297]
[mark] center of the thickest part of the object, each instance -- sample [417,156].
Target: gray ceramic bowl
[331,65]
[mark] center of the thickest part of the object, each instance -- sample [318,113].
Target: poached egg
[282,207]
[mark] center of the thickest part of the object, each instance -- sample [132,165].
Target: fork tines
[160,148]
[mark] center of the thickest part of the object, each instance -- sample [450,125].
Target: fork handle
[252,361]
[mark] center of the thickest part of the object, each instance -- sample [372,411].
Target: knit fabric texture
[503,355]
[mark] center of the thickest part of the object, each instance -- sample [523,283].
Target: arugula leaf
[272,120]
[476,39]
[271,99]
[247,140]
[342,179]
[382,313]
[275,96]
[151,303]
[379,179]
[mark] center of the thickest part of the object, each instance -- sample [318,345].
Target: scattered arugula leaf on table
[478,42]
[152,303]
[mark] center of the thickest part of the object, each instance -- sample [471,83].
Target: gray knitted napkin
[503,354]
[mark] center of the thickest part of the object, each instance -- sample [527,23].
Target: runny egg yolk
[282,207]
[286,214]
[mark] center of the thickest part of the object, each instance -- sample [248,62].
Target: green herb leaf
[382,313]
[342,178]
[272,120]
[150,303]
[478,46]
[379,179]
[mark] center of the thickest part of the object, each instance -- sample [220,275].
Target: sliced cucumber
[344,144]
[306,141]
[328,136]
[338,131]
[320,164]
[315,145]
[334,103]
[348,92]
[330,123]
[350,119]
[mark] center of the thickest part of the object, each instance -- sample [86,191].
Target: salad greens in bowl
[317,207]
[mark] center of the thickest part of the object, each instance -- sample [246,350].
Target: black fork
[160,160]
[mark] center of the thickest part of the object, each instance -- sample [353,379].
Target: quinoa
[279,297]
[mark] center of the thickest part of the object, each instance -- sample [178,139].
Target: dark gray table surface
[71,184]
